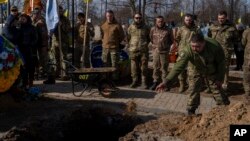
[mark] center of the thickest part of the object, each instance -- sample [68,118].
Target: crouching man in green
[208,61]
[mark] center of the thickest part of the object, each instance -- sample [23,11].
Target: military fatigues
[112,35]
[209,65]
[226,35]
[161,39]
[183,37]
[79,34]
[246,65]
[138,39]
[42,44]
[55,51]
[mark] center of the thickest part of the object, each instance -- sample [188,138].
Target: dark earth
[49,119]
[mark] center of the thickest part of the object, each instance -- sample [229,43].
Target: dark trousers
[239,53]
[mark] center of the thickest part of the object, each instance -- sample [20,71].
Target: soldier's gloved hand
[218,84]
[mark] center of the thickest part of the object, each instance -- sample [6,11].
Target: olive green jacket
[138,37]
[246,43]
[65,31]
[210,62]
[184,34]
[225,34]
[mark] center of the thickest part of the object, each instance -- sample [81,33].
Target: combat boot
[153,87]
[221,99]
[144,83]
[208,91]
[182,87]
[50,80]
[133,84]
[191,111]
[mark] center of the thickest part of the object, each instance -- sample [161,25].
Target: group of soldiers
[208,61]
[200,60]
[40,49]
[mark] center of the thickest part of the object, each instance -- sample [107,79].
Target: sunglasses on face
[13,10]
[137,17]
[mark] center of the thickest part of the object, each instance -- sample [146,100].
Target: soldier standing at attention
[79,34]
[161,38]
[112,35]
[42,45]
[246,66]
[226,34]
[55,54]
[138,39]
[208,59]
[182,38]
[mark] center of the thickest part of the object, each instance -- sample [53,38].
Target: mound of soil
[213,125]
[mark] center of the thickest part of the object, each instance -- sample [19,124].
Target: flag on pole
[52,17]
[87,1]
[31,4]
[182,14]
[3,1]
[239,20]
[66,13]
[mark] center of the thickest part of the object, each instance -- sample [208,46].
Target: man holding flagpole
[59,27]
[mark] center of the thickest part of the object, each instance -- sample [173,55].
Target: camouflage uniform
[42,31]
[54,53]
[246,65]
[79,34]
[183,37]
[226,35]
[112,35]
[161,39]
[209,65]
[138,39]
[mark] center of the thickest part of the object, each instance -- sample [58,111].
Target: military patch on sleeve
[180,56]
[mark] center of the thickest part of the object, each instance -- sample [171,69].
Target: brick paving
[146,100]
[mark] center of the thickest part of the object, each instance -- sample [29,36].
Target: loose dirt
[65,120]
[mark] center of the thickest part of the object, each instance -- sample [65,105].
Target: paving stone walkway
[146,100]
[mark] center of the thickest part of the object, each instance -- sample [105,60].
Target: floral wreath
[10,61]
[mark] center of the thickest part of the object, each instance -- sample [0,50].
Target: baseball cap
[13,8]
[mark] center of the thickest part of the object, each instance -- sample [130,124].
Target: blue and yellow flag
[52,17]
